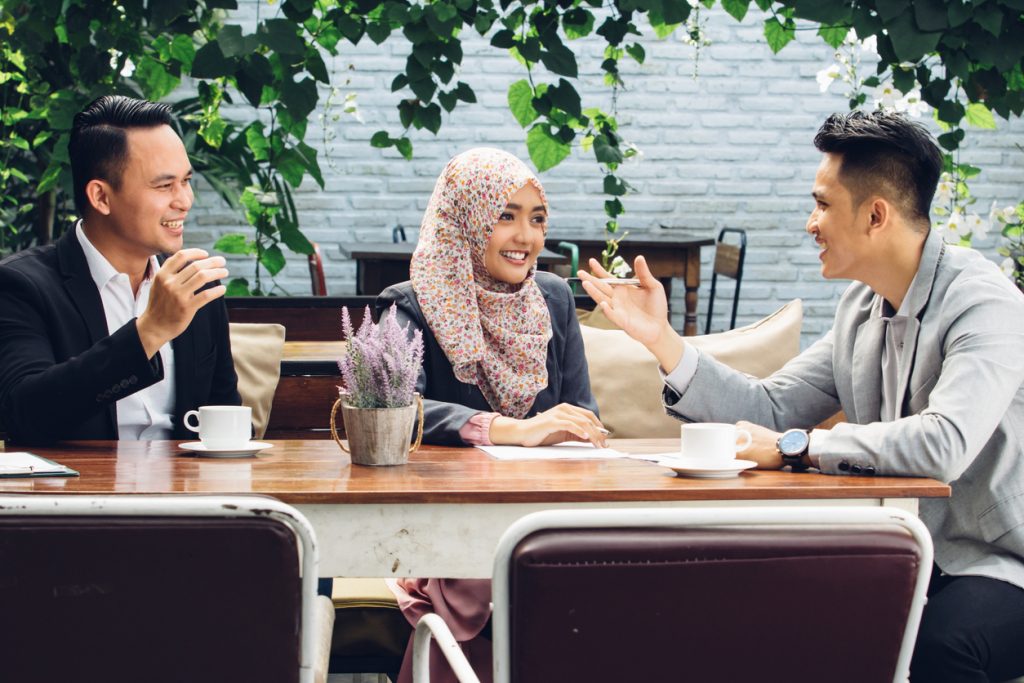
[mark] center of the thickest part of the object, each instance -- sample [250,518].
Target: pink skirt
[465,605]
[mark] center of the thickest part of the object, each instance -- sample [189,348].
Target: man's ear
[98,193]
[880,214]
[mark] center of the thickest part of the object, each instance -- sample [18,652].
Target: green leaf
[777,34]
[636,51]
[465,93]
[50,177]
[235,243]
[404,146]
[614,186]
[979,116]
[238,286]
[211,63]
[153,78]
[272,259]
[293,237]
[545,150]
[833,35]
[281,36]
[520,96]
[184,50]
[316,67]
[309,158]
[577,23]
[291,167]
[430,117]
[254,75]
[447,100]
[908,42]
[952,139]
[299,98]
[561,61]
[381,139]
[257,141]
[605,152]
[989,18]
[890,9]
[613,208]
[931,15]
[736,8]
[378,31]
[234,44]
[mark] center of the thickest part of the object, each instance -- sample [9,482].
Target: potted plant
[379,404]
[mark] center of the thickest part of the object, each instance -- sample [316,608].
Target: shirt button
[855,469]
[844,466]
[869,469]
[124,384]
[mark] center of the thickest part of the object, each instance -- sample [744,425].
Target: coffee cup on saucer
[713,442]
[221,427]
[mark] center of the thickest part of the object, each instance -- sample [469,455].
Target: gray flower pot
[379,436]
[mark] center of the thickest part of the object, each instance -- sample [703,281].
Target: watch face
[793,442]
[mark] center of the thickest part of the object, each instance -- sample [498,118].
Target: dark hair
[886,154]
[98,147]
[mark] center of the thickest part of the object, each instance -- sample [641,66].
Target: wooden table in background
[442,514]
[382,264]
[668,255]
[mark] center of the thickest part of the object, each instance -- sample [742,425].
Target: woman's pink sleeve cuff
[477,430]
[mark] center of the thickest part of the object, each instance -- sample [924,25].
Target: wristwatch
[793,445]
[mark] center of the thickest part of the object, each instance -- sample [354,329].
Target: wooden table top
[308,472]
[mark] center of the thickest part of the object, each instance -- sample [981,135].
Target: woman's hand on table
[564,422]
[642,311]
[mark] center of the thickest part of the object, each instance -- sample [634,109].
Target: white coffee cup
[222,427]
[713,440]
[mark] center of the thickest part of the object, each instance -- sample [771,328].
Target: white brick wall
[730,149]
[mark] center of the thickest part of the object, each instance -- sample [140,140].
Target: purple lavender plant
[382,361]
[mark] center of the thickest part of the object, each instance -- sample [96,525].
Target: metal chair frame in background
[729,260]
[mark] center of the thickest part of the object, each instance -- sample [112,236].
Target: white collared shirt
[146,414]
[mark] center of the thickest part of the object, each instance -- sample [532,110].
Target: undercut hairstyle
[98,147]
[885,154]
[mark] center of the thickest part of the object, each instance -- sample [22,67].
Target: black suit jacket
[448,403]
[62,373]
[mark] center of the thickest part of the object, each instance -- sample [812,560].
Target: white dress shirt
[146,414]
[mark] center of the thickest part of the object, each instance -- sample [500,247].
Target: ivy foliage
[57,55]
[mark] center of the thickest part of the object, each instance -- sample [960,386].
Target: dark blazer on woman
[62,372]
[448,403]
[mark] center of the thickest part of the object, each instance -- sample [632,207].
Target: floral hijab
[494,334]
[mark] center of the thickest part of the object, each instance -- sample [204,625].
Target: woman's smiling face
[518,236]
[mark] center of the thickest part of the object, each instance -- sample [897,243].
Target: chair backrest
[317,281]
[398,234]
[729,260]
[155,588]
[725,594]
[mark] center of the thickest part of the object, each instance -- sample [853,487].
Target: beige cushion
[625,380]
[256,349]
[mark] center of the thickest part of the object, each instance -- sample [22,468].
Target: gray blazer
[448,403]
[961,403]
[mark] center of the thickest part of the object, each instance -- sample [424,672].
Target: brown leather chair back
[124,598]
[710,604]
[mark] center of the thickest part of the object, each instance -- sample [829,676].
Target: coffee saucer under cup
[705,468]
[241,451]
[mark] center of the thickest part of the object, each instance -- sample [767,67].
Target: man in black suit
[99,338]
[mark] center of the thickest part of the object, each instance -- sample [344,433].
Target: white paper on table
[567,450]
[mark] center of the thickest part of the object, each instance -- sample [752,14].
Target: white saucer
[251,448]
[700,468]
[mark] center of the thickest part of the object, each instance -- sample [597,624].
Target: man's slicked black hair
[885,154]
[98,147]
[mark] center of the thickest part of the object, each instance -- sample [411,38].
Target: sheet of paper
[567,450]
[20,462]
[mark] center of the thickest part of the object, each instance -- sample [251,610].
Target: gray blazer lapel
[867,370]
[920,291]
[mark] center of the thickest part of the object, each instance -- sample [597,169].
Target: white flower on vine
[945,189]
[886,97]
[869,44]
[1008,266]
[1006,215]
[912,103]
[975,226]
[826,77]
[619,267]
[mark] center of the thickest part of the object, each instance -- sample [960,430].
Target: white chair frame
[432,626]
[195,506]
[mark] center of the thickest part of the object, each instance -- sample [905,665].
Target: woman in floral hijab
[503,357]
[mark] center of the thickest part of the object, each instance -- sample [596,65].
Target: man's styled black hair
[885,154]
[98,147]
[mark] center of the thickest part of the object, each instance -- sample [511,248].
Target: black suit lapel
[184,348]
[81,289]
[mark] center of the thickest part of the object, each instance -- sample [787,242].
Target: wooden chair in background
[729,260]
[316,271]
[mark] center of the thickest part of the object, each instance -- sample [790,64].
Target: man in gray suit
[924,357]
